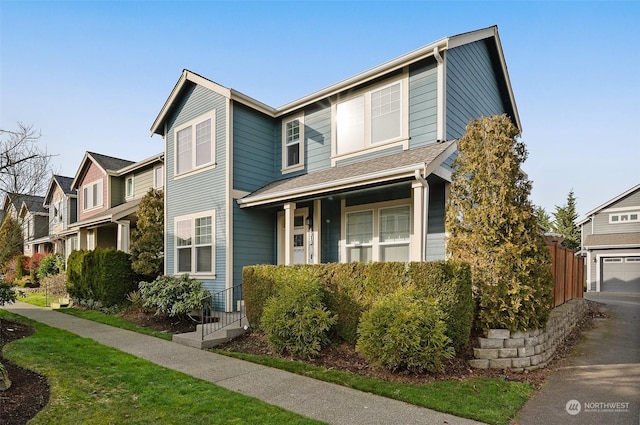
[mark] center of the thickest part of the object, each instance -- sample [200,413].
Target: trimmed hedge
[102,275]
[350,289]
[450,283]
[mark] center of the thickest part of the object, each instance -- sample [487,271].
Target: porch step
[194,339]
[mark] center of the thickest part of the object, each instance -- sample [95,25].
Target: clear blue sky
[94,75]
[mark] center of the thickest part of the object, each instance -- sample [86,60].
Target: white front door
[300,242]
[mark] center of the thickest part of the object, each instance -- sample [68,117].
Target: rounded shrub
[405,330]
[296,320]
[172,295]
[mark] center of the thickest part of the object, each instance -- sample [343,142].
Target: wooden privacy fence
[568,273]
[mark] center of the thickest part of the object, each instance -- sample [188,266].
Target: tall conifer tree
[493,226]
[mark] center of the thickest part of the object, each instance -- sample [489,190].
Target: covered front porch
[384,209]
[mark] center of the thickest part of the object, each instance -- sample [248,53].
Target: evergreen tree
[10,241]
[493,226]
[147,241]
[544,219]
[565,222]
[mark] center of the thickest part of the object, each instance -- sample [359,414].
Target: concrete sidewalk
[319,400]
[600,383]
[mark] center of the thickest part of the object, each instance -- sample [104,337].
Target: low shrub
[296,321]
[172,295]
[404,330]
[8,295]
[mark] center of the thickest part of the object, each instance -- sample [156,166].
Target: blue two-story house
[358,171]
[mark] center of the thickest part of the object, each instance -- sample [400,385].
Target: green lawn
[493,401]
[489,400]
[92,383]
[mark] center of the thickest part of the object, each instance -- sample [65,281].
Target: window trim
[97,183]
[618,217]
[368,146]
[155,177]
[301,145]
[128,195]
[375,244]
[193,123]
[192,218]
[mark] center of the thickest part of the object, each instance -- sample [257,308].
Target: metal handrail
[219,310]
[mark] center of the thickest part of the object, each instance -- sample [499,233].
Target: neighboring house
[62,204]
[109,192]
[611,244]
[358,171]
[34,219]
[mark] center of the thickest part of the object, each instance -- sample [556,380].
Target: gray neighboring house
[611,244]
[34,218]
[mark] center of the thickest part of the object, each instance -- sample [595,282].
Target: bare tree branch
[25,167]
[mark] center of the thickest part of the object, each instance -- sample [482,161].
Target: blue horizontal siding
[254,150]
[472,87]
[423,104]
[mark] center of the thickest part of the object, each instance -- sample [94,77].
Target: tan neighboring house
[62,204]
[109,192]
[611,244]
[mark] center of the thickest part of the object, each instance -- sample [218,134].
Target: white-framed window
[395,233]
[57,212]
[359,236]
[129,188]
[92,195]
[194,243]
[158,177]
[195,144]
[372,118]
[377,232]
[293,144]
[624,217]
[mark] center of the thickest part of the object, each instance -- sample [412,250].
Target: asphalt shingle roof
[110,162]
[611,239]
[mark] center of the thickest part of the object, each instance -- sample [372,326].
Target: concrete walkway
[600,383]
[319,400]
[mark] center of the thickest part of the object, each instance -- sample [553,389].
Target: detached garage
[621,274]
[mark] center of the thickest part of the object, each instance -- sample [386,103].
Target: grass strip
[489,400]
[115,321]
[92,383]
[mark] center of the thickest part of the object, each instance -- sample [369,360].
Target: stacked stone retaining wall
[519,351]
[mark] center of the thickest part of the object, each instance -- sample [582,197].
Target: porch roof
[111,215]
[612,240]
[376,170]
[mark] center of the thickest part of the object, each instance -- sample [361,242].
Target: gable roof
[33,203]
[188,77]
[64,183]
[108,164]
[387,168]
[608,203]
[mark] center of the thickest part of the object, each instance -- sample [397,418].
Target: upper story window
[195,144]
[370,119]
[129,187]
[624,217]
[57,212]
[195,243]
[158,177]
[92,195]
[293,147]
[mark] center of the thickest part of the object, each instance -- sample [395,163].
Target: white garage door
[621,274]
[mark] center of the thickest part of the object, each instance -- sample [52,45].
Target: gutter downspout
[425,216]
[440,112]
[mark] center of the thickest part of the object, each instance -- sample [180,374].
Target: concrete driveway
[600,383]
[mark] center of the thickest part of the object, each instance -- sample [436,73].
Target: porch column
[317,229]
[417,236]
[289,210]
[124,230]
